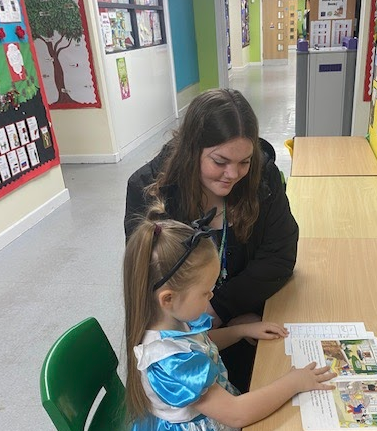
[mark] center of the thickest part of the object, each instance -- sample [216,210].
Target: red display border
[369,63]
[76,105]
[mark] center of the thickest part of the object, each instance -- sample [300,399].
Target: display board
[27,142]
[60,32]
[370,57]
[245,23]
[373,106]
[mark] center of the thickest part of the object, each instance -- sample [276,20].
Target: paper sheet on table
[323,331]
[353,402]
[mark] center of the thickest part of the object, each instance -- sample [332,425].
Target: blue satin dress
[177,368]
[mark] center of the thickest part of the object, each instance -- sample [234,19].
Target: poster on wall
[123,78]
[27,142]
[332,9]
[64,54]
[245,23]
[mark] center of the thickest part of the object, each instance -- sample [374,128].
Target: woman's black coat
[257,269]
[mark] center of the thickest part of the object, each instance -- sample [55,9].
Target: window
[131,24]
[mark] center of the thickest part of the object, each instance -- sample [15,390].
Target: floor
[68,267]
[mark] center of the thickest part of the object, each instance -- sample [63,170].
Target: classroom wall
[235,34]
[109,133]
[185,50]
[182,25]
[86,135]
[255,31]
[24,207]
[205,31]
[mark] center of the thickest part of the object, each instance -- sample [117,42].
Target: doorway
[275,31]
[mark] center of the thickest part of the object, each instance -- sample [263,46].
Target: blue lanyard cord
[222,250]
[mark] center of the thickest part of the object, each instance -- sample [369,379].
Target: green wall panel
[205,30]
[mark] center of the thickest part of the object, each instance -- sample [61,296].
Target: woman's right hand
[311,378]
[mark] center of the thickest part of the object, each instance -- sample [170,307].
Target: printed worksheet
[323,331]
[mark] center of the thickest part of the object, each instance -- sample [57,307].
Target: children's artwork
[13,163]
[33,128]
[144,26]
[4,169]
[12,136]
[23,159]
[332,9]
[46,139]
[245,23]
[4,144]
[123,78]
[33,154]
[22,132]
[24,154]
[10,11]
[63,50]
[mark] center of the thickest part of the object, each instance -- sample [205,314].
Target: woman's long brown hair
[213,118]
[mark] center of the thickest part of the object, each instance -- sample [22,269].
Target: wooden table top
[334,281]
[334,207]
[333,155]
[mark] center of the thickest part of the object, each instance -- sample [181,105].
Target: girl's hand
[264,331]
[311,378]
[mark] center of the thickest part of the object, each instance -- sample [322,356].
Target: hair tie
[157,229]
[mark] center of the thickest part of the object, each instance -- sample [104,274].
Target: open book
[353,403]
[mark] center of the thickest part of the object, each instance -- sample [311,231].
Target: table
[334,281]
[333,156]
[334,207]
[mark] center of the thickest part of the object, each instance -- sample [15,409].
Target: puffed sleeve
[181,379]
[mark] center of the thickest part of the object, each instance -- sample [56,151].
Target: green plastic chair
[79,364]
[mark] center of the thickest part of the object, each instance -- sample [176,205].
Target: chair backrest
[79,364]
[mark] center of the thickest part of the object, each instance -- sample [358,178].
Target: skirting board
[117,157]
[245,66]
[89,158]
[33,218]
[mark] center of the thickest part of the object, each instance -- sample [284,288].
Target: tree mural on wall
[55,16]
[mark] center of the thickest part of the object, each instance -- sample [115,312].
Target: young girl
[176,378]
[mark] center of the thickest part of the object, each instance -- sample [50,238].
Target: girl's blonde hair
[152,251]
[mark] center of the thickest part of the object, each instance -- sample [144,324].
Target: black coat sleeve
[137,201]
[275,237]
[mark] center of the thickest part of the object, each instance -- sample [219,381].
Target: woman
[215,160]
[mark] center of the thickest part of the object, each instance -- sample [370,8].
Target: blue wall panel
[184,43]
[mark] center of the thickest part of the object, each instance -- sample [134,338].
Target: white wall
[106,134]
[31,202]
[240,56]
[360,118]
[85,135]
[151,103]
[235,33]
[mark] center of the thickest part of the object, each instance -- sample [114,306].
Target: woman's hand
[264,331]
[311,378]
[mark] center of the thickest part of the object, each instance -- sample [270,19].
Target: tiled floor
[68,267]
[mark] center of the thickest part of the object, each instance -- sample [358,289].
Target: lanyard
[222,250]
